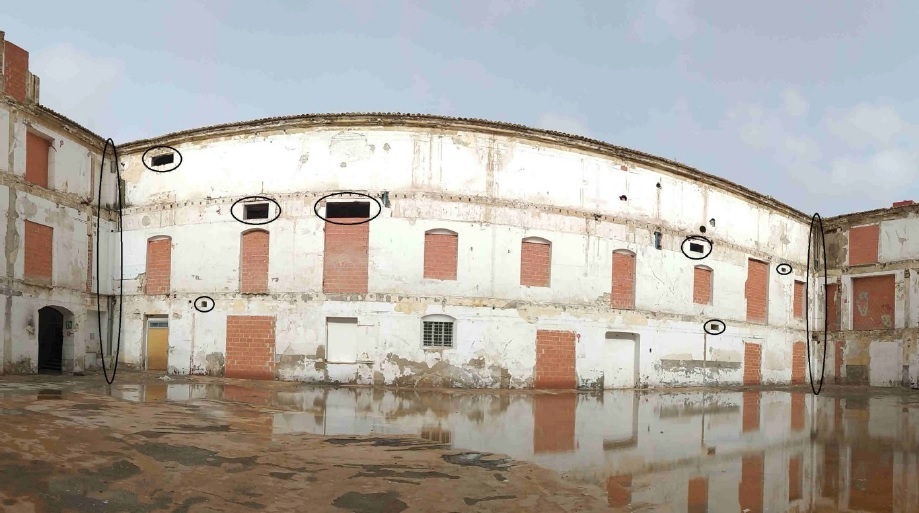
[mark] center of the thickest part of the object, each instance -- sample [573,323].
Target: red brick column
[159,266]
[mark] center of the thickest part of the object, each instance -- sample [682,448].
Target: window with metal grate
[438,334]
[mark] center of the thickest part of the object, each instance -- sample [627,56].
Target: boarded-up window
[799,299]
[440,254]
[756,290]
[832,307]
[863,244]
[37,159]
[253,265]
[38,252]
[341,339]
[622,295]
[159,265]
[873,298]
[535,262]
[702,285]
[347,253]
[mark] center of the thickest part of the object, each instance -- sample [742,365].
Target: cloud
[795,104]
[665,18]
[77,83]
[863,152]
[563,123]
[495,11]
[868,125]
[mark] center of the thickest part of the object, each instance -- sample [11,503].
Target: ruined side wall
[492,191]
[65,207]
[879,322]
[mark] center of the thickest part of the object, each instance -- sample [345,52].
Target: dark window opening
[162,160]
[347,209]
[657,240]
[204,304]
[256,211]
[696,248]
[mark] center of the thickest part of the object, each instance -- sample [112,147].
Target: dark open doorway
[50,340]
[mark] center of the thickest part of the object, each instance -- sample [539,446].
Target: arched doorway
[50,340]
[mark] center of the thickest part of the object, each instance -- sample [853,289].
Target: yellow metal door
[157,345]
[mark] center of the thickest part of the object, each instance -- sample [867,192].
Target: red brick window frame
[159,265]
[535,262]
[622,295]
[39,252]
[703,285]
[38,159]
[253,261]
[798,299]
[441,248]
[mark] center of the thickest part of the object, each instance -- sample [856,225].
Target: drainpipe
[111,323]
[704,361]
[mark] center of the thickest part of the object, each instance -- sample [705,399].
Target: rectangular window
[38,151]
[438,334]
[874,302]
[863,244]
[256,211]
[347,209]
[162,160]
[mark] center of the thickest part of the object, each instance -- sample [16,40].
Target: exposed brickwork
[555,359]
[39,253]
[440,255]
[347,256]
[799,299]
[89,264]
[830,488]
[874,302]
[702,285]
[798,362]
[904,203]
[535,264]
[253,264]
[839,359]
[752,364]
[37,159]
[619,491]
[159,266]
[795,482]
[874,470]
[750,412]
[553,427]
[623,291]
[15,71]
[756,291]
[750,490]
[697,495]
[863,244]
[250,347]
[832,307]
[798,411]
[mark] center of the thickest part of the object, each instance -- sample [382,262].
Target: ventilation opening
[256,211]
[657,240]
[204,304]
[702,229]
[696,248]
[162,160]
[347,209]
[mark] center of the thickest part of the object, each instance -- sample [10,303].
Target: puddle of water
[736,451]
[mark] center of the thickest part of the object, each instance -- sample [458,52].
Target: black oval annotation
[783,269]
[714,326]
[163,159]
[204,304]
[356,215]
[696,247]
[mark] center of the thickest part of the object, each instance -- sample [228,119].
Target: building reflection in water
[656,450]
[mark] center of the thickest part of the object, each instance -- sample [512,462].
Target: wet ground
[196,444]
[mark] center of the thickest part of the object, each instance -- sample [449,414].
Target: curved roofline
[377,119]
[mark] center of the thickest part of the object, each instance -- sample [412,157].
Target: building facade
[49,178]
[420,250]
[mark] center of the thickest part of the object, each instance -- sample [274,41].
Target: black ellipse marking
[255,198]
[713,325]
[783,269]
[696,237]
[807,284]
[316,207]
[199,304]
[173,168]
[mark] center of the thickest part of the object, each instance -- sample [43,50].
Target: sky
[813,103]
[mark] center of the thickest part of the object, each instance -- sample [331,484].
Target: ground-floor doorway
[157,343]
[50,340]
[620,357]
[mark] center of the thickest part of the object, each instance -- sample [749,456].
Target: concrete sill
[366,362]
[38,283]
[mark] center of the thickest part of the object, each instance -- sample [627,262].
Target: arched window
[253,262]
[702,285]
[437,331]
[159,265]
[440,254]
[622,295]
[535,262]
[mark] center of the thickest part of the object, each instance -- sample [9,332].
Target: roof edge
[481,125]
